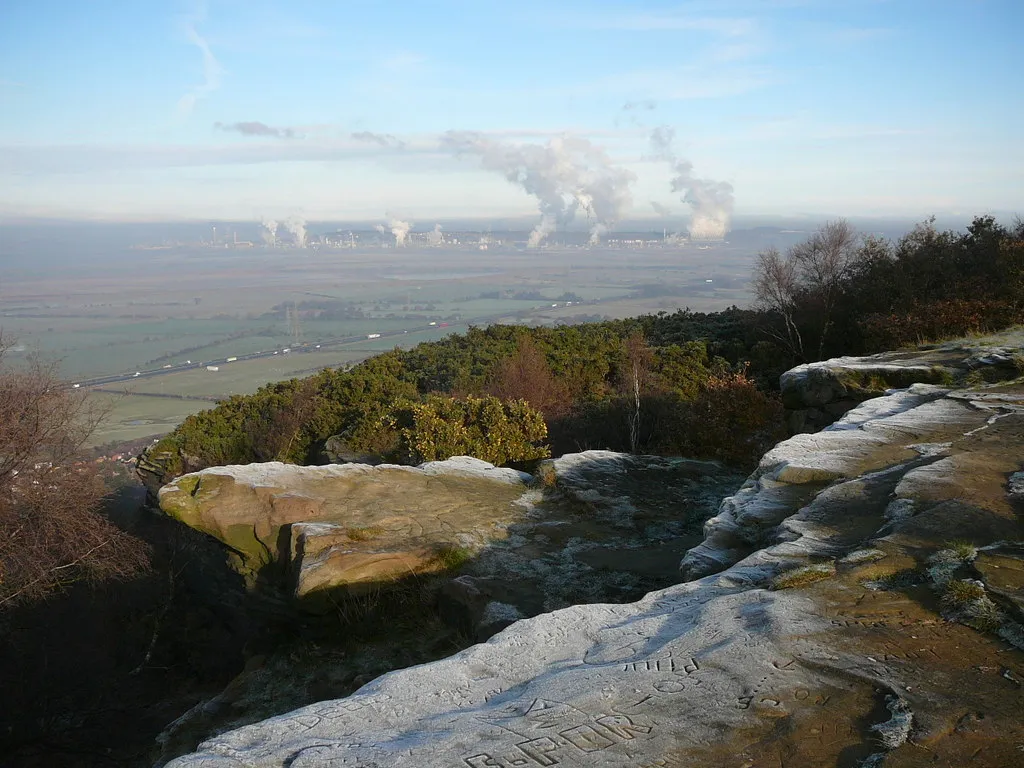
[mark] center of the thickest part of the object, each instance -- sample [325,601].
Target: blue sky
[251,108]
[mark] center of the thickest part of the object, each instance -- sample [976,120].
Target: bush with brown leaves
[52,532]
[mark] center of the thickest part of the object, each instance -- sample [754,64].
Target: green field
[156,405]
[129,418]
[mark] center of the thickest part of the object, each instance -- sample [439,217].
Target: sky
[369,109]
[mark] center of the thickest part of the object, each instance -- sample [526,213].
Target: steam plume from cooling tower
[297,226]
[565,175]
[435,237]
[400,229]
[269,233]
[711,202]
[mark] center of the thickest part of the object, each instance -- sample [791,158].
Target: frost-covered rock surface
[817,394]
[418,563]
[851,664]
[315,528]
[597,526]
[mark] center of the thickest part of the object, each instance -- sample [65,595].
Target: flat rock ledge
[859,630]
[306,529]
[816,394]
[596,526]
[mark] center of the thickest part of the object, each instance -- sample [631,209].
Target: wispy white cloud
[70,159]
[212,69]
[406,152]
[380,139]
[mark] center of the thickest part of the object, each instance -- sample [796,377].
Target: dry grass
[862,557]
[801,577]
[364,533]
[451,557]
[959,593]
[966,601]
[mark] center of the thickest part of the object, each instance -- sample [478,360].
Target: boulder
[308,529]
[592,527]
[596,526]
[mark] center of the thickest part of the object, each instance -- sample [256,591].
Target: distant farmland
[171,306]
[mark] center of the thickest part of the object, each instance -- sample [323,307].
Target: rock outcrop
[307,529]
[817,394]
[865,611]
[403,566]
[595,526]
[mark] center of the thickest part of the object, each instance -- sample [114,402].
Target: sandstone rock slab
[858,667]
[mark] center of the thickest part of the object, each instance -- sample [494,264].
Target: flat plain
[107,313]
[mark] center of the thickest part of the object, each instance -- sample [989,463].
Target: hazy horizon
[586,114]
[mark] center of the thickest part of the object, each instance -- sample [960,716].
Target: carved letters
[587,738]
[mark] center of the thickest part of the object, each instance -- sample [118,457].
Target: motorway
[298,348]
[304,347]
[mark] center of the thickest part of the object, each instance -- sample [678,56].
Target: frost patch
[896,730]
[468,466]
[931,449]
[1013,633]
[497,613]
[1017,485]
[899,510]
[946,562]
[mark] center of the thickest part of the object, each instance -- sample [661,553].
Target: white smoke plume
[711,202]
[269,233]
[400,229]
[297,226]
[435,237]
[565,175]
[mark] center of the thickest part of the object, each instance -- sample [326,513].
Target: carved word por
[585,739]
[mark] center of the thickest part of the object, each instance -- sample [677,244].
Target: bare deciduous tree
[812,273]
[51,529]
[823,262]
[775,288]
[634,380]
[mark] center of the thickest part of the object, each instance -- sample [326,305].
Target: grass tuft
[963,549]
[801,577]
[364,533]
[451,557]
[862,556]
[965,601]
[962,592]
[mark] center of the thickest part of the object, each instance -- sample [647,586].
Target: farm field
[113,313]
[129,418]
